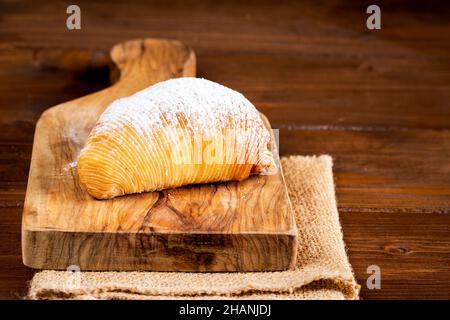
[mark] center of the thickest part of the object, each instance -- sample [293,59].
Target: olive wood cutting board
[233,226]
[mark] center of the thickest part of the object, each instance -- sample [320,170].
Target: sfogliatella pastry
[174,133]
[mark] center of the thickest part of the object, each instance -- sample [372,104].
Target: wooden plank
[233,25]
[382,171]
[344,91]
[30,78]
[411,249]
[14,276]
[320,67]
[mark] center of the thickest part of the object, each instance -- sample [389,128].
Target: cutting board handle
[149,61]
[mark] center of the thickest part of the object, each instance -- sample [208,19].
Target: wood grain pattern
[377,101]
[234,226]
[393,170]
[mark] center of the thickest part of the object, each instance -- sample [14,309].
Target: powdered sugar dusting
[206,106]
[70,166]
[174,133]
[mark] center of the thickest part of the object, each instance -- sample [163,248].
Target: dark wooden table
[377,101]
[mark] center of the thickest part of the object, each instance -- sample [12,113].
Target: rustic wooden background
[377,101]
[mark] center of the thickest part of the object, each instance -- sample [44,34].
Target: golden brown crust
[144,143]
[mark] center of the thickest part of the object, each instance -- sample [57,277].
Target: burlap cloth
[322,271]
